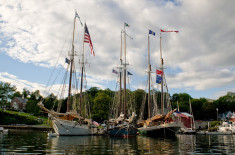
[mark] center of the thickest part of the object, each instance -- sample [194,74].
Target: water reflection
[92,144]
[221,144]
[36,142]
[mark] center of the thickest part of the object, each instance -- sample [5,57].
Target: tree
[139,97]
[50,101]
[101,107]
[209,110]
[183,101]
[25,93]
[17,94]
[197,107]
[34,99]
[6,93]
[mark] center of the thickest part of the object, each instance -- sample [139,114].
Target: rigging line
[53,83]
[61,89]
[56,63]
[114,99]
[143,103]
[85,85]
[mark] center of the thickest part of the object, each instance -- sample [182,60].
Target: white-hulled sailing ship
[158,124]
[73,122]
[121,126]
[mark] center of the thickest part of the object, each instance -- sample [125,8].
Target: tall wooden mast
[149,72]
[71,68]
[124,69]
[120,78]
[162,100]
[82,70]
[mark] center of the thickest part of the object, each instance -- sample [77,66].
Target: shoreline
[27,127]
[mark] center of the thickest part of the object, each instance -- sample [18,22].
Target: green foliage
[50,101]
[101,107]
[183,101]
[34,99]
[100,101]
[17,94]
[8,118]
[225,103]
[139,96]
[6,93]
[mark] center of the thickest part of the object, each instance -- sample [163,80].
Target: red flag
[87,39]
[169,31]
[159,72]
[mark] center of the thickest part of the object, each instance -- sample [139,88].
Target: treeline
[101,102]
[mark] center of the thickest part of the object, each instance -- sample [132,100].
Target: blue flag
[151,32]
[158,79]
[67,61]
[129,73]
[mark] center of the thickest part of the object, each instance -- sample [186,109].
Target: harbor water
[37,142]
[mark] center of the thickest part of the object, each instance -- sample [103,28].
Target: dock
[27,127]
[215,133]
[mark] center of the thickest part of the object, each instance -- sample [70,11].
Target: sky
[35,39]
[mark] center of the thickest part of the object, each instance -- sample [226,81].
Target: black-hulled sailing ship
[158,123]
[121,126]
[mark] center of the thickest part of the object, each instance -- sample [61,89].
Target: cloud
[39,31]
[21,84]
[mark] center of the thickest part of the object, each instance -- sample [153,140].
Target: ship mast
[120,78]
[71,68]
[162,100]
[82,70]
[149,72]
[124,106]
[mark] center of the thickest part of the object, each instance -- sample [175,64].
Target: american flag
[114,71]
[87,39]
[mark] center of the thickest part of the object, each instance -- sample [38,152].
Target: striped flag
[87,39]
[169,31]
[159,72]
[114,71]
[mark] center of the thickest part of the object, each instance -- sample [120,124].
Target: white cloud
[203,51]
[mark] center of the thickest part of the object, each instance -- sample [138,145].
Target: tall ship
[122,125]
[159,122]
[76,121]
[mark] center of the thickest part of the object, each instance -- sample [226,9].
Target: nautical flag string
[151,32]
[87,39]
[169,31]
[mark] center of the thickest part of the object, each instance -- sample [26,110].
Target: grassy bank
[9,117]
